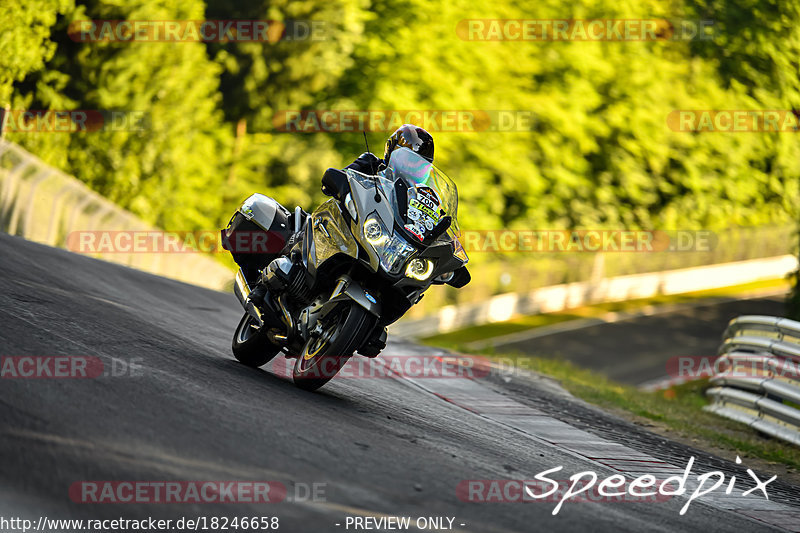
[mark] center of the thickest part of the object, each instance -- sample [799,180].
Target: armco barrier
[43,204]
[757,378]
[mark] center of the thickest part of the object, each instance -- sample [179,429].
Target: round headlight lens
[374,232]
[420,269]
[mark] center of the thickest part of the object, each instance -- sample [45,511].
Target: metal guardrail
[42,204]
[757,376]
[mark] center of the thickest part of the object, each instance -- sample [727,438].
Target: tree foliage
[599,153]
[24,39]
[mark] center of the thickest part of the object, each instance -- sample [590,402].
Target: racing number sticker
[428,196]
[422,211]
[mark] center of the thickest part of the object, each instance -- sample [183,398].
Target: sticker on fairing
[428,196]
[416,231]
[430,213]
[423,216]
[422,211]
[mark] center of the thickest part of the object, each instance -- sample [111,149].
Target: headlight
[374,232]
[392,250]
[419,269]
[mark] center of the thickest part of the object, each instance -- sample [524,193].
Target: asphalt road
[638,350]
[190,412]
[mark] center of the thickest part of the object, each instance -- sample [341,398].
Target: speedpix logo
[588,486]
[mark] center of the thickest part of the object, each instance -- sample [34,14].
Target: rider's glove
[335,181]
[367,163]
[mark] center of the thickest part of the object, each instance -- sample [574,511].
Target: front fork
[345,289]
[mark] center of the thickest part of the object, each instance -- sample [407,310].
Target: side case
[257,233]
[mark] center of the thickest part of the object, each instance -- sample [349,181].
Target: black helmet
[411,137]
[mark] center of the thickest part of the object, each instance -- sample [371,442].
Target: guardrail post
[42,176]
[55,213]
[12,182]
[80,206]
[26,206]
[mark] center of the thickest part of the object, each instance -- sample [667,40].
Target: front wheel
[343,331]
[250,345]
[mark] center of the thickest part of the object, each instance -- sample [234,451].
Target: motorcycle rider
[407,135]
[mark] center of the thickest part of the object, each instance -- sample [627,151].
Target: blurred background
[599,153]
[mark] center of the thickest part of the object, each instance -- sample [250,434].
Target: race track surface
[190,412]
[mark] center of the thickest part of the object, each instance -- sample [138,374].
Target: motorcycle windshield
[430,195]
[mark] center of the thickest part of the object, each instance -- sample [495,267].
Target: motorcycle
[337,277]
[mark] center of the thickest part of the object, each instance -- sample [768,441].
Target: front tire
[344,330]
[250,345]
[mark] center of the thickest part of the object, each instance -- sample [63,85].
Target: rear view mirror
[460,278]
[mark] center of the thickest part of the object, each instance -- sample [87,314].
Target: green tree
[24,39]
[260,78]
[600,152]
[168,172]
